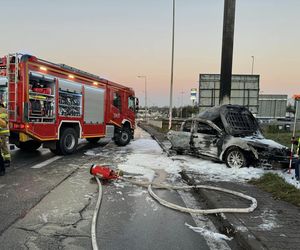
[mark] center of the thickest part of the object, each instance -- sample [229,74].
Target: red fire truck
[55,105]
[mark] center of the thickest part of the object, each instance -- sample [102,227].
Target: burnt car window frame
[183,126]
[211,128]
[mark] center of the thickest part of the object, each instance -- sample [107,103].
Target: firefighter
[4,133]
[297,163]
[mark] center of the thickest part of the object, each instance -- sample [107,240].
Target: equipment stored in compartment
[41,100]
[69,104]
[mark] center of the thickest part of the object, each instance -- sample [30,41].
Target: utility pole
[145,77]
[172,66]
[227,51]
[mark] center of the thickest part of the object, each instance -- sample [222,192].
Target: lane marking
[45,163]
[3,185]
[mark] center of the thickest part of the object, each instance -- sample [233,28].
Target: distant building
[272,106]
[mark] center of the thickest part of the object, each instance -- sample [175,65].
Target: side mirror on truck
[137,104]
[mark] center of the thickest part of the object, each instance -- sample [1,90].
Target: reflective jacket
[298,146]
[4,130]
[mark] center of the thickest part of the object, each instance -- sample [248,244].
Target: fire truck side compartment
[41,106]
[93,105]
[70,98]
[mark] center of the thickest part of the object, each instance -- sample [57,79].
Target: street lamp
[145,77]
[252,65]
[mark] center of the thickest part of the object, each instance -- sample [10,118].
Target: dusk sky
[121,39]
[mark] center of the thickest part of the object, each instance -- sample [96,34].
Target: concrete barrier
[156,123]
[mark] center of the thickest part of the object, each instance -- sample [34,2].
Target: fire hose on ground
[106,173]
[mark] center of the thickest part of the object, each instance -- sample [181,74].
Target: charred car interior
[230,134]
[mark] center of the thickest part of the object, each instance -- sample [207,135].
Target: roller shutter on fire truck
[94,105]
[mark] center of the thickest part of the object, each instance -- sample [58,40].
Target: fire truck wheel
[124,137]
[28,146]
[68,141]
[93,140]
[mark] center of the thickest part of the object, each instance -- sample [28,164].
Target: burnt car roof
[235,119]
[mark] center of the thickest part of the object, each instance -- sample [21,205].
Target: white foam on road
[147,157]
[2,185]
[45,163]
[208,233]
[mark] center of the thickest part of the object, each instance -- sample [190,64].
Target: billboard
[272,106]
[244,91]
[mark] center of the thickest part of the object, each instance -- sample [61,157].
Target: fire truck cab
[54,105]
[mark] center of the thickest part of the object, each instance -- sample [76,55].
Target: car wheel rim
[69,142]
[124,136]
[235,159]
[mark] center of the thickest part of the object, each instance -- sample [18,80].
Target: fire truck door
[116,107]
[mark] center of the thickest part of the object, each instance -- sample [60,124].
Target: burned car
[230,134]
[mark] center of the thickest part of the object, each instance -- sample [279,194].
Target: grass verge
[278,187]
[282,138]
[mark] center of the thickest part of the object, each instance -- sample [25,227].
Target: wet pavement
[51,207]
[129,218]
[24,188]
[133,220]
[274,224]
[61,220]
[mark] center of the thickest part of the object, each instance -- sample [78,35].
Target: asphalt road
[130,219]
[49,205]
[23,186]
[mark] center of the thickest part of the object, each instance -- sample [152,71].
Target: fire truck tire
[28,146]
[124,137]
[67,143]
[93,140]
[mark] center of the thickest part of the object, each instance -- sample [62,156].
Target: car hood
[260,141]
[237,120]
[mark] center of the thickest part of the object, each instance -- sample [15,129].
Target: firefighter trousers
[4,148]
[2,166]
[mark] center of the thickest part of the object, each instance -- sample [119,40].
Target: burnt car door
[180,140]
[206,139]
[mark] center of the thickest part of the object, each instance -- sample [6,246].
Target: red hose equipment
[104,172]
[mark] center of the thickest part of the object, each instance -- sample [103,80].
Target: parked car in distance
[230,134]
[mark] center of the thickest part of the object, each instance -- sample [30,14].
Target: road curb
[246,240]
[155,138]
